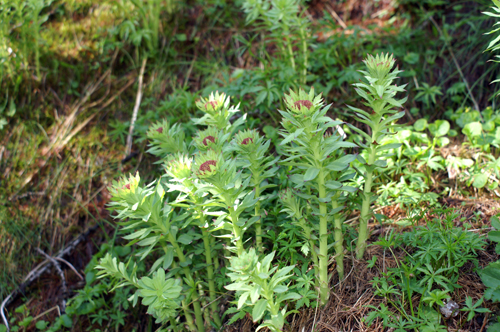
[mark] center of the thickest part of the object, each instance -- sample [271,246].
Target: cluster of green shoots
[205,214]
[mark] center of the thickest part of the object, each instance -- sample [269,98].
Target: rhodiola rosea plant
[205,217]
[217,181]
[378,94]
[311,145]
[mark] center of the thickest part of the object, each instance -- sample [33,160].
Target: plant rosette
[207,165]
[210,139]
[217,112]
[165,139]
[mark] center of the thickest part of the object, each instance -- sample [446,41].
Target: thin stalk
[185,308]
[210,273]
[234,222]
[323,241]
[201,293]
[476,106]
[237,232]
[196,301]
[307,231]
[187,314]
[290,50]
[215,258]
[258,223]
[268,295]
[173,324]
[36,27]
[339,239]
[304,51]
[208,257]
[365,207]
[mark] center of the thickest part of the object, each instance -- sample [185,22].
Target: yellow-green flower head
[165,138]
[245,262]
[213,103]
[247,138]
[289,198]
[125,186]
[179,167]
[207,139]
[158,129]
[286,195]
[379,66]
[303,103]
[206,164]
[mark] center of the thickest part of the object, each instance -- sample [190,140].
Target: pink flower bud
[247,140]
[300,103]
[213,103]
[206,165]
[208,138]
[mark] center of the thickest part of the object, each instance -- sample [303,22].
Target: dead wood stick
[64,286]
[39,270]
[136,108]
[70,266]
[336,16]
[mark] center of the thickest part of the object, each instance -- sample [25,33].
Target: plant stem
[304,51]
[290,50]
[203,299]
[187,314]
[36,26]
[210,272]
[339,239]
[307,231]
[237,231]
[173,323]
[323,241]
[258,228]
[258,223]
[187,273]
[207,242]
[215,259]
[365,207]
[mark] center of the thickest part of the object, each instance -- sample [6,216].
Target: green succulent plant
[311,143]
[378,93]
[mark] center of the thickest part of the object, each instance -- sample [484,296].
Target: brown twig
[136,108]
[70,266]
[64,286]
[336,16]
[39,270]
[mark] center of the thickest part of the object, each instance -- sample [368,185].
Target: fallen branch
[39,270]
[70,266]
[64,286]
[336,17]
[136,108]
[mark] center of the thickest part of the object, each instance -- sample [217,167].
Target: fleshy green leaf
[258,310]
